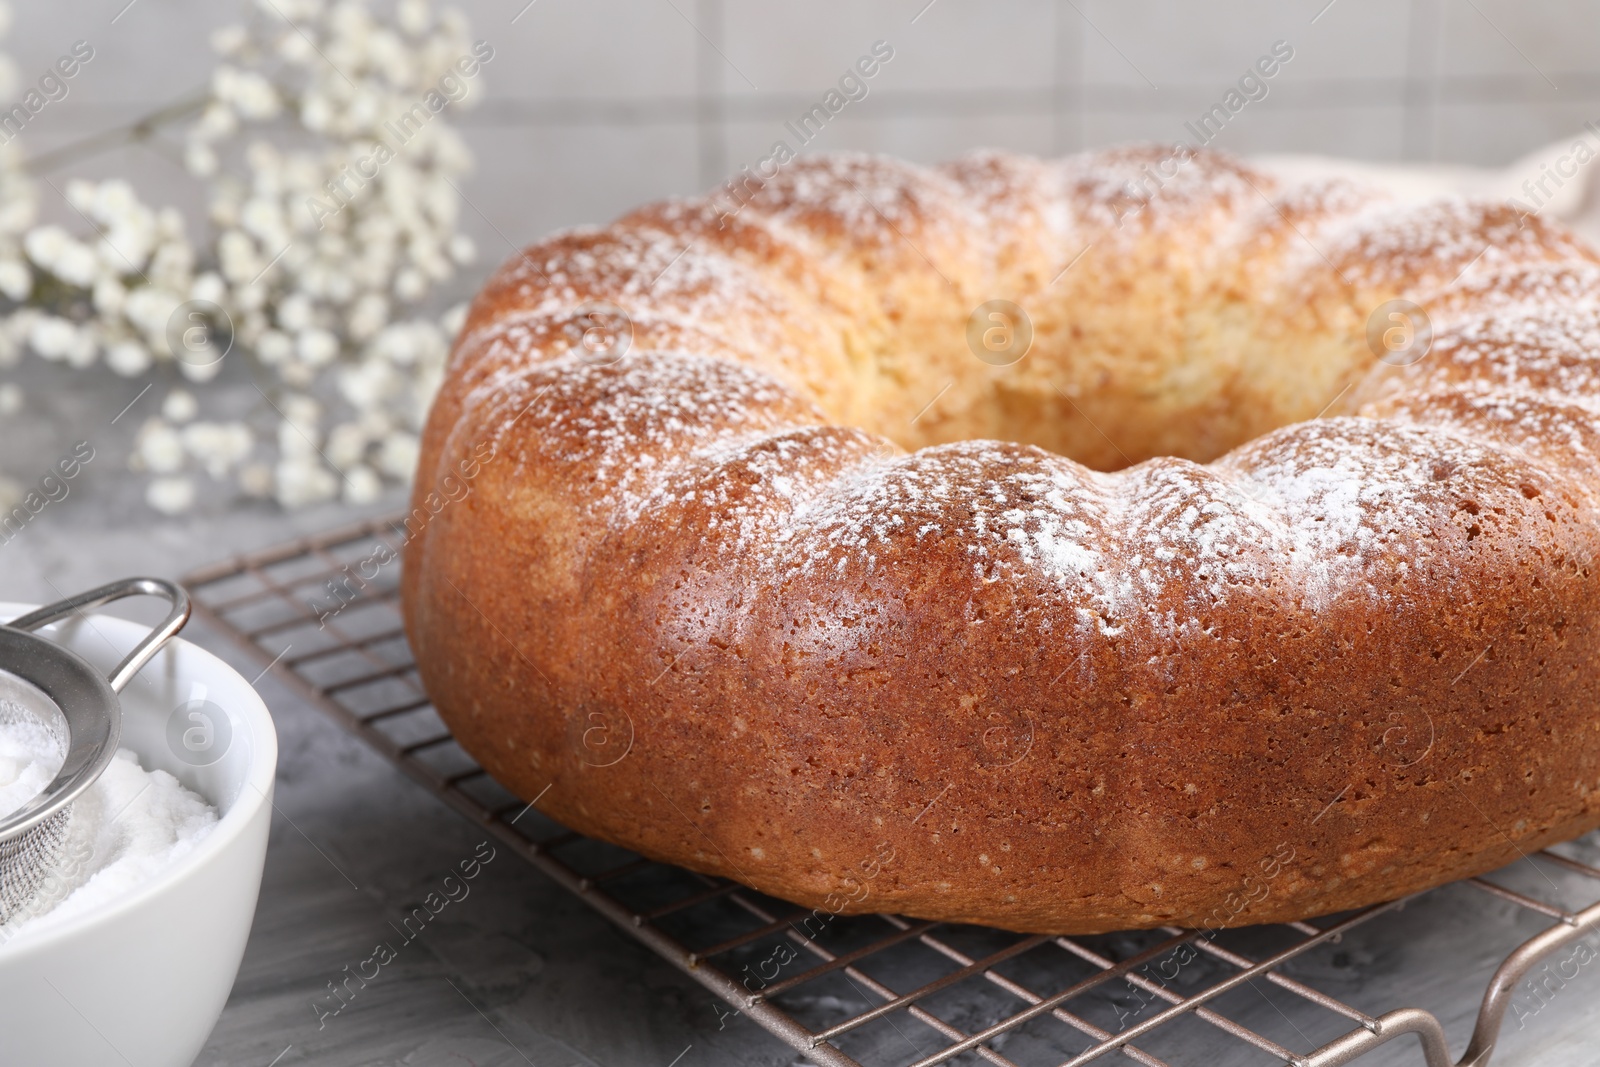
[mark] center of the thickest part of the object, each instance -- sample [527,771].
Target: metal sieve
[64,692]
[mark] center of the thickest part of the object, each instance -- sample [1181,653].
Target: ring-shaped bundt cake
[734,548]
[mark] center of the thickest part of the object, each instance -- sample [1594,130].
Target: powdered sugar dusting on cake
[1392,244]
[1526,286]
[748,488]
[1311,514]
[1158,188]
[1005,507]
[1115,546]
[872,201]
[636,269]
[1355,495]
[1183,526]
[1513,419]
[1016,194]
[875,507]
[633,425]
[1553,350]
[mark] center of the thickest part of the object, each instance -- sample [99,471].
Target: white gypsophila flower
[425,385]
[368,315]
[248,327]
[208,287]
[361,485]
[58,252]
[109,296]
[19,326]
[246,91]
[16,282]
[366,384]
[169,224]
[250,297]
[294,48]
[216,122]
[301,410]
[397,456]
[302,481]
[199,373]
[170,495]
[316,347]
[237,442]
[294,443]
[52,337]
[263,219]
[159,447]
[10,398]
[128,358]
[389,54]
[149,309]
[172,266]
[347,445]
[237,254]
[274,346]
[410,284]
[180,406]
[229,40]
[395,344]
[218,446]
[452,321]
[339,287]
[414,17]
[80,195]
[316,111]
[84,349]
[295,313]
[17,209]
[297,374]
[312,268]
[256,479]
[363,111]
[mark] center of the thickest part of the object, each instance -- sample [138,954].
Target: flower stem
[139,130]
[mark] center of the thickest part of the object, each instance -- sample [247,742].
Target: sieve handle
[124,671]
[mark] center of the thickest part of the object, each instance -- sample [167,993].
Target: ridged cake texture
[768,575]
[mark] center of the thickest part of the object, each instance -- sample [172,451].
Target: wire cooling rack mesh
[323,613]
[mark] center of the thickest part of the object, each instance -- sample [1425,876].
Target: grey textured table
[519,972]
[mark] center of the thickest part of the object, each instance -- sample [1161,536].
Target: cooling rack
[323,613]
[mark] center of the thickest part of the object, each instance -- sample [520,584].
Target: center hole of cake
[1108,387]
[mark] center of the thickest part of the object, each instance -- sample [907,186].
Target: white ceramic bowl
[142,981]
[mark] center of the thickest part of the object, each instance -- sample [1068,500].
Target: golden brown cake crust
[761,594]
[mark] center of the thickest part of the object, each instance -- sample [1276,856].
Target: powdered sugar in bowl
[136,968]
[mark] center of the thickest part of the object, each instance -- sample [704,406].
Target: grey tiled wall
[593,106]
